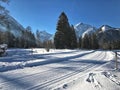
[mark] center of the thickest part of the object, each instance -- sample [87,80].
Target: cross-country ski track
[40,70]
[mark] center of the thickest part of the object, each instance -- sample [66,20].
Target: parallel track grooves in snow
[36,74]
[45,84]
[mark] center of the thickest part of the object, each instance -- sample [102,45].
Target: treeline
[25,40]
[103,40]
[88,41]
[109,39]
[43,43]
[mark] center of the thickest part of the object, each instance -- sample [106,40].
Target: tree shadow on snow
[16,82]
[57,60]
[38,63]
[91,61]
[26,55]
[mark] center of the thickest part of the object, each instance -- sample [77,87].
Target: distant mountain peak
[81,28]
[82,25]
[44,36]
[79,24]
[43,31]
[106,27]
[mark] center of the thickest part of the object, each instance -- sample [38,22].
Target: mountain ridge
[81,29]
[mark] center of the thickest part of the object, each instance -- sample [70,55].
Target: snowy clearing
[24,69]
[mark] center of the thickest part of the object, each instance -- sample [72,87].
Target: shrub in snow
[47,49]
[3,48]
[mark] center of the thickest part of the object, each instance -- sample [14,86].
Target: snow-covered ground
[27,69]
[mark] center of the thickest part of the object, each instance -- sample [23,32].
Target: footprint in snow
[91,79]
[1,87]
[111,77]
[65,86]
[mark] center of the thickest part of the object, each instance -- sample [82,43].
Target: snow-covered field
[23,69]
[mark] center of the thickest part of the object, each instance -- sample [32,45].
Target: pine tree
[73,38]
[85,42]
[9,39]
[59,40]
[94,43]
[38,41]
[80,42]
[62,36]
[29,38]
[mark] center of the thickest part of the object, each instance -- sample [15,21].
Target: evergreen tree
[94,43]
[59,40]
[38,41]
[29,38]
[73,38]
[80,42]
[9,39]
[62,36]
[85,42]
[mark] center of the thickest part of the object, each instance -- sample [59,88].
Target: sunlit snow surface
[36,69]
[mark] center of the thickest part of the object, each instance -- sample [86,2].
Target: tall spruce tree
[73,38]
[62,36]
[85,42]
[80,42]
[94,42]
[38,41]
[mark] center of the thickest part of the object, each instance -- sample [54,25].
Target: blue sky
[43,14]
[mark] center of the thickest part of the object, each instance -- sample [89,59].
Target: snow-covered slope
[64,69]
[89,31]
[81,28]
[9,23]
[44,36]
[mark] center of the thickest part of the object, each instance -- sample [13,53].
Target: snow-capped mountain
[81,29]
[106,27]
[108,35]
[44,36]
[9,23]
[89,31]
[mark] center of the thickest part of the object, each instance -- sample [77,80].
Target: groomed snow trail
[41,70]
